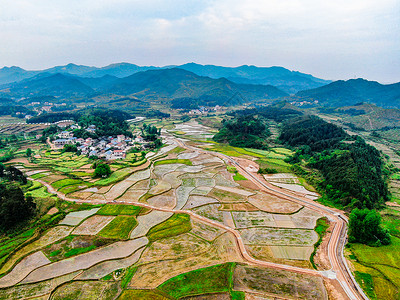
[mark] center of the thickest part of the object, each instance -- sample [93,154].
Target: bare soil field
[23,268]
[166,200]
[205,231]
[278,236]
[51,236]
[280,283]
[26,291]
[102,269]
[74,218]
[151,275]
[235,190]
[196,201]
[177,247]
[273,204]
[87,290]
[86,260]
[148,221]
[210,211]
[182,196]
[240,206]
[93,225]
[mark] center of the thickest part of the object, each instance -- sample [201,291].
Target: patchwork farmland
[180,224]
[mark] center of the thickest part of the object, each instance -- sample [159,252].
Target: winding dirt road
[340,270]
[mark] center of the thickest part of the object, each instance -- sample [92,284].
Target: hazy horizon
[332,40]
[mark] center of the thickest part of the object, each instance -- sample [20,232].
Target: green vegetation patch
[73,188]
[173,161]
[128,274]
[175,225]
[73,245]
[119,228]
[65,182]
[115,177]
[239,177]
[366,282]
[320,228]
[119,209]
[141,294]
[215,279]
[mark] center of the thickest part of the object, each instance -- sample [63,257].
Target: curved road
[337,238]
[336,243]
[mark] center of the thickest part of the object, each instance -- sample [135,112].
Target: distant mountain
[350,92]
[165,84]
[58,85]
[284,79]
[71,69]
[118,70]
[289,81]
[178,83]
[13,74]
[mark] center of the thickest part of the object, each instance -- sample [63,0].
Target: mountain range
[205,83]
[284,79]
[160,84]
[353,91]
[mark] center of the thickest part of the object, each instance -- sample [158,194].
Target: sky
[339,39]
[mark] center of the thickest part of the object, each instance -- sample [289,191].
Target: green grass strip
[175,225]
[208,280]
[173,161]
[320,228]
[119,228]
[119,209]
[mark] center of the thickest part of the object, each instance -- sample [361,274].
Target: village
[108,148]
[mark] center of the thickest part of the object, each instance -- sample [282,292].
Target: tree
[28,152]
[365,227]
[70,148]
[14,208]
[102,170]
[13,174]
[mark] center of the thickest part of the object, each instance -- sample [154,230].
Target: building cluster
[204,110]
[109,148]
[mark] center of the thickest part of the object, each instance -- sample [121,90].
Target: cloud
[332,39]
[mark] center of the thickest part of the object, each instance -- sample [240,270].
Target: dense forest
[108,123]
[14,206]
[352,170]
[244,131]
[276,113]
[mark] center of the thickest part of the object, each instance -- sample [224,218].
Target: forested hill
[349,172]
[164,84]
[353,171]
[288,81]
[350,92]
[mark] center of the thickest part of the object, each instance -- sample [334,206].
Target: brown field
[93,225]
[23,268]
[51,236]
[272,204]
[86,260]
[281,283]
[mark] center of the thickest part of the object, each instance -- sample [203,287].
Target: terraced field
[167,229]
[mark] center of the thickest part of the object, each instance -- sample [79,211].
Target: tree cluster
[244,131]
[151,134]
[102,170]
[12,174]
[365,227]
[352,170]
[14,207]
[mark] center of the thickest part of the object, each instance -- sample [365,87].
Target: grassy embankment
[377,269]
